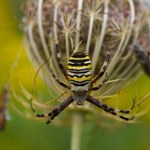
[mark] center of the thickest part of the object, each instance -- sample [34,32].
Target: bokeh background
[25,134]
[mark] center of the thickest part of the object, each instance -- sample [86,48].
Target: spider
[81,83]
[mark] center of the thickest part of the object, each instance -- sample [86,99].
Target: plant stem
[76,130]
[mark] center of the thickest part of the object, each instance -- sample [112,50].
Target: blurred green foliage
[23,134]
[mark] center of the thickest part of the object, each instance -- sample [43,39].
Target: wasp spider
[81,83]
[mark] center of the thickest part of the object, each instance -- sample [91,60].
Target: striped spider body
[79,74]
[81,83]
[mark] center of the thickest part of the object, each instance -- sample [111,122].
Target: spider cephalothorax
[81,83]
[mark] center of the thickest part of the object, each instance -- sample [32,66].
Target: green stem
[76,131]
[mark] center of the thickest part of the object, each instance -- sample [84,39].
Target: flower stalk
[77,125]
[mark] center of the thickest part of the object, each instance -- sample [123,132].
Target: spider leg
[104,67]
[52,73]
[59,60]
[56,111]
[109,109]
[58,81]
[100,85]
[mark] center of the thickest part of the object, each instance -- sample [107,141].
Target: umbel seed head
[92,27]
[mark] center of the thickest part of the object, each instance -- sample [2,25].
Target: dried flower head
[4,97]
[95,24]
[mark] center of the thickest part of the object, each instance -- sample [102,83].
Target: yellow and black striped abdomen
[79,71]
